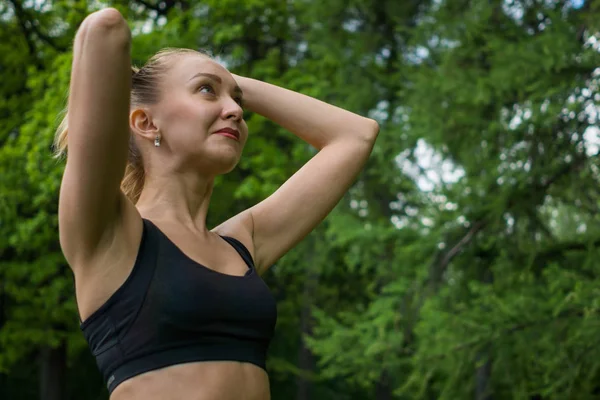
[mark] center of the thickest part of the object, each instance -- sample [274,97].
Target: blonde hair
[144,91]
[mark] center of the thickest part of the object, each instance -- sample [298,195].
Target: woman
[171,309]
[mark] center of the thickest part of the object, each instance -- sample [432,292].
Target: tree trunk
[306,361]
[3,377]
[53,367]
[482,379]
[383,391]
[484,372]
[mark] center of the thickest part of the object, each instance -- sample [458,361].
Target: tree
[500,95]
[461,264]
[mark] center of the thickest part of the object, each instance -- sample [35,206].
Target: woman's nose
[232,110]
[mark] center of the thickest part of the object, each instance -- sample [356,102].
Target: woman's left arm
[344,141]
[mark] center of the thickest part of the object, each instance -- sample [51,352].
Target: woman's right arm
[91,203]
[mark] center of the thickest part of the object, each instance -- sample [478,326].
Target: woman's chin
[225,169]
[221,165]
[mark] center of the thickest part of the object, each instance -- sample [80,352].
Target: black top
[172,310]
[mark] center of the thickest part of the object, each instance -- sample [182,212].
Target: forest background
[463,263]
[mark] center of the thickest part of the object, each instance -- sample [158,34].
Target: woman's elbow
[370,130]
[374,128]
[104,24]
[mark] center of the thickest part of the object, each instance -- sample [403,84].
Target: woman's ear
[140,122]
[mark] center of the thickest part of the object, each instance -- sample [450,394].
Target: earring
[157,141]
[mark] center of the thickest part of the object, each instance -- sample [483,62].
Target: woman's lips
[227,134]
[230,133]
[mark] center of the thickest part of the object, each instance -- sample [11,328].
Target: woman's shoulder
[240,228]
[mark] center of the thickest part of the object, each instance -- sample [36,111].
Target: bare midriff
[207,380]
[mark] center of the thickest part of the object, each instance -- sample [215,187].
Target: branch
[477,226]
[575,165]
[22,17]
[582,28]
[163,7]
[561,248]
[47,39]
[480,224]
[510,329]
[150,6]
[533,214]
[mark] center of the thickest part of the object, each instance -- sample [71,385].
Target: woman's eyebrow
[218,79]
[211,76]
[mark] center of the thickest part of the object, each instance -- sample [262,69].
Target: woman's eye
[240,101]
[206,89]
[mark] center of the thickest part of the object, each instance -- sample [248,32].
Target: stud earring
[157,141]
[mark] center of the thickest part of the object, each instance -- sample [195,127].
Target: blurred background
[463,264]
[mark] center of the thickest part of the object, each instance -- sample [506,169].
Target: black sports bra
[172,310]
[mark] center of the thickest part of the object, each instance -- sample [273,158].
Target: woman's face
[199,98]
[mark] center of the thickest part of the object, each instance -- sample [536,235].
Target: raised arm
[344,141]
[98,131]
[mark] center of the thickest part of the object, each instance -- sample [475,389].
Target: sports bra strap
[241,249]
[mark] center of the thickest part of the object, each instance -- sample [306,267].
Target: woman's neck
[177,199]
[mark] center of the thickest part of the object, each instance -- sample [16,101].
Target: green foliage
[463,262]
[35,277]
